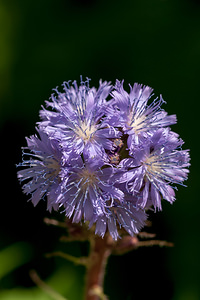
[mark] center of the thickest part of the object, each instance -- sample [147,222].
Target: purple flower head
[154,167]
[78,118]
[104,162]
[134,115]
[42,164]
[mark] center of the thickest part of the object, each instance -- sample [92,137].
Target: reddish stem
[99,253]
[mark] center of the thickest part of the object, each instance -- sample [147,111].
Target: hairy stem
[99,252]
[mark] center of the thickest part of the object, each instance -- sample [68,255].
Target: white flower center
[87,179]
[153,165]
[137,123]
[53,166]
[85,131]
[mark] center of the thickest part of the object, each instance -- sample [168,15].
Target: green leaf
[14,256]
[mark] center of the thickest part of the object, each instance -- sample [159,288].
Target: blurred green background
[42,44]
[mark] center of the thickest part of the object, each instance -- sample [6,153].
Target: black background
[42,44]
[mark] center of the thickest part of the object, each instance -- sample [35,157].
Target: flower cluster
[104,161]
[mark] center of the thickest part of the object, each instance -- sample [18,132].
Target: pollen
[118,143]
[114,159]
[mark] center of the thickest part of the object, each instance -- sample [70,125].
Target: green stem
[46,288]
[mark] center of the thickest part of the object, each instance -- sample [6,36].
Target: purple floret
[134,115]
[42,164]
[154,166]
[78,119]
[121,215]
[92,196]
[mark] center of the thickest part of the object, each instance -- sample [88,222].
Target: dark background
[42,44]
